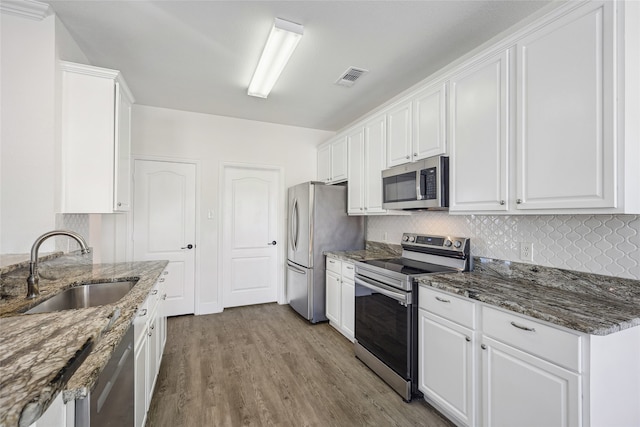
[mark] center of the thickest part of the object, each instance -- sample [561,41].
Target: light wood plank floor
[264,365]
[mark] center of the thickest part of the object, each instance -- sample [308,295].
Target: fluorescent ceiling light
[282,41]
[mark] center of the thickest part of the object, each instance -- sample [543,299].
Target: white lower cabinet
[150,337]
[524,390]
[446,341]
[58,414]
[513,371]
[340,296]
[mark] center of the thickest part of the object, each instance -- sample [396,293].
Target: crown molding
[30,9]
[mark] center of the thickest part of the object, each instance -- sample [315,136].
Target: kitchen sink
[84,296]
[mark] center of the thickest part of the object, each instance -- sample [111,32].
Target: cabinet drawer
[334,265]
[547,342]
[348,270]
[448,306]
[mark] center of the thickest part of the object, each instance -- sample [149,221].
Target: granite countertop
[584,302]
[373,250]
[33,384]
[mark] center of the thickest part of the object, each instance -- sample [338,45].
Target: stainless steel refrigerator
[318,222]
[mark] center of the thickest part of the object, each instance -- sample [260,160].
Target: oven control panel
[452,243]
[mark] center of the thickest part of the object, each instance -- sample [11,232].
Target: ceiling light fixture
[282,41]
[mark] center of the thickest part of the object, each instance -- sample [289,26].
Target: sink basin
[84,296]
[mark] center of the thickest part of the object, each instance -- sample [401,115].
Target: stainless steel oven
[386,305]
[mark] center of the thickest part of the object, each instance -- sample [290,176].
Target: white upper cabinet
[479,118]
[95,140]
[367,154]
[375,160]
[399,148]
[430,121]
[356,186]
[324,163]
[332,161]
[566,147]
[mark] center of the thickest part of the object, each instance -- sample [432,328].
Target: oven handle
[385,290]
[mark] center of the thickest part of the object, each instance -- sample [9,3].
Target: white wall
[29,148]
[214,140]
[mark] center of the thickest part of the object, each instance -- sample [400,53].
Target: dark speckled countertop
[589,303]
[584,302]
[29,382]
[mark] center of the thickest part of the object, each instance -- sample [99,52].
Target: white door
[250,232]
[164,225]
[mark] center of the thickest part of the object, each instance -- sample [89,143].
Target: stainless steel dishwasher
[111,402]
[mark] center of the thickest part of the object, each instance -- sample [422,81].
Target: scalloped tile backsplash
[600,244]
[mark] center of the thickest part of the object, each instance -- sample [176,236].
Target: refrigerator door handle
[295,269]
[294,225]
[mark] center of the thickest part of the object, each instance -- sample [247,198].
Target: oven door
[384,324]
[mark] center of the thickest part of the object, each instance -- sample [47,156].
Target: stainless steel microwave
[420,185]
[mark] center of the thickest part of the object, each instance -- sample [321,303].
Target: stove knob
[412,238]
[457,244]
[405,238]
[447,243]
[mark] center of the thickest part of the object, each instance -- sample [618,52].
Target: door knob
[272,243]
[189,246]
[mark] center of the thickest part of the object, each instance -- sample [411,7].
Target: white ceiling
[200,55]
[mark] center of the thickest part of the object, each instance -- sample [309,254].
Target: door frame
[281,208]
[167,159]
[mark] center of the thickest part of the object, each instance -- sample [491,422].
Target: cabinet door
[566,140]
[446,368]
[333,297]
[375,142]
[152,356]
[523,390]
[356,182]
[399,135]
[122,188]
[348,308]
[87,140]
[324,163]
[339,160]
[430,122]
[140,381]
[479,136]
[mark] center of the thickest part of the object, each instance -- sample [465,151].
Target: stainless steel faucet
[33,289]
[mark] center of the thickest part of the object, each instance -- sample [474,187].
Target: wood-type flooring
[264,365]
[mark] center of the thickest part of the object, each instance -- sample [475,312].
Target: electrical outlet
[526,251]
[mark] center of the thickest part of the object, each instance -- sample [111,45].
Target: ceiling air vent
[349,77]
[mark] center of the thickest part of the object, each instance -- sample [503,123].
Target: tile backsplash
[600,244]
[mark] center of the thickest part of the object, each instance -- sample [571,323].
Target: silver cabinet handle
[502,202]
[165,272]
[443,300]
[349,267]
[331,261]
[119,204]
[154,292]
[467,339]
[273,243]
[408,157]
[524,328]
[161,280]
[415,154]
[518,201]
[484,347]
[164,297]
[189,246]
[143,312]
[149,333]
